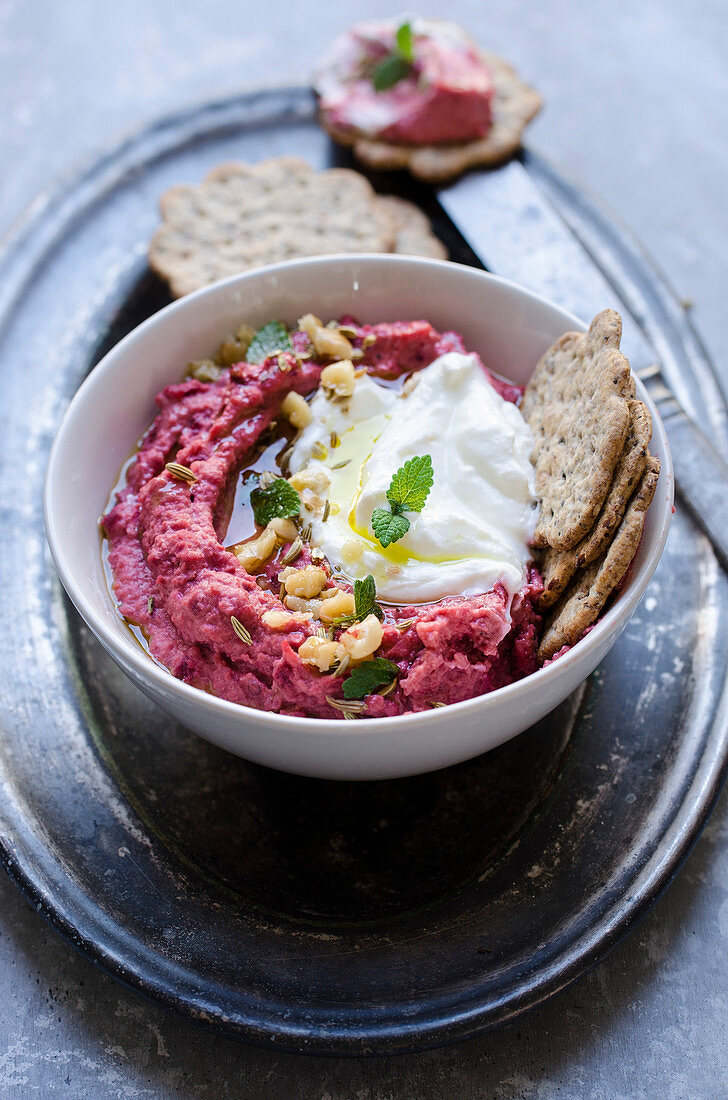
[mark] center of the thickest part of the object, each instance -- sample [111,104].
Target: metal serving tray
[303,914]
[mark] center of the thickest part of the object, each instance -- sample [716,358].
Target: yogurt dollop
[475,527]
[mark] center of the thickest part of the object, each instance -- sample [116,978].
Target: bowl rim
[148,668]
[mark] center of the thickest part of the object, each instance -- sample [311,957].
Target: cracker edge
[582,603]
[412,223]
[557,567]
[601,344]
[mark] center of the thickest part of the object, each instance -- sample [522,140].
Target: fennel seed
[242,632]
[184,473]
[388,689]
[293,551]
[343,665]
[353,706]
[285,459]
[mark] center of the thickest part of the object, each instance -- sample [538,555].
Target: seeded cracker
[514,105]
[577,405]
[243,216]
[558,566]
[583,601]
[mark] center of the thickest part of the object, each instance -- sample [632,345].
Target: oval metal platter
[296,913]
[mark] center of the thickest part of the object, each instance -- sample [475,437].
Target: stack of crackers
[595,477]
[244,216]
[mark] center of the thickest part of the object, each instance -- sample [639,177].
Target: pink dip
[166,542]
[447,97]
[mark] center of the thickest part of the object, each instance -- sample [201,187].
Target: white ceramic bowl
[507,325]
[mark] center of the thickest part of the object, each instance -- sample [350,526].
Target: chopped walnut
[316,479]
[363,639]
[255,553]
[285,529]
[305,583]
[279,620]
[338,603]
[311,608]
[327,342]
[323,654]
[295,409]
[339,378]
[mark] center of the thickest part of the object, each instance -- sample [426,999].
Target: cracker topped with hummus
[419,94]
[345,519]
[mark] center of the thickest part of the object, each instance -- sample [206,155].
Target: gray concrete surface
[637,109]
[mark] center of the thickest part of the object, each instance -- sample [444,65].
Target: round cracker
[244,216]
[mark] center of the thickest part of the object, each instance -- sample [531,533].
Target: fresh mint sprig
[268,340]
[405,41]
[365,603]
[397,65]
[278,500]
[389,527]
[369,676]
[407,492]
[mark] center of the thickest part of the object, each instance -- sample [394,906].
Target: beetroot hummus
[436,90]
[245,604]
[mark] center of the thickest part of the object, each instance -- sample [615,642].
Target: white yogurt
[475,527]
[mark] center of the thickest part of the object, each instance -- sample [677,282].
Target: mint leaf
[268,340]
[405,45]
[365,603]
[389,71]
[387,527]
[411,485]
[408,490]
[365,598]
[369,676]
[398,64]
[278,500]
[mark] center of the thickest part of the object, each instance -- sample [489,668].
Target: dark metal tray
[292,912]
